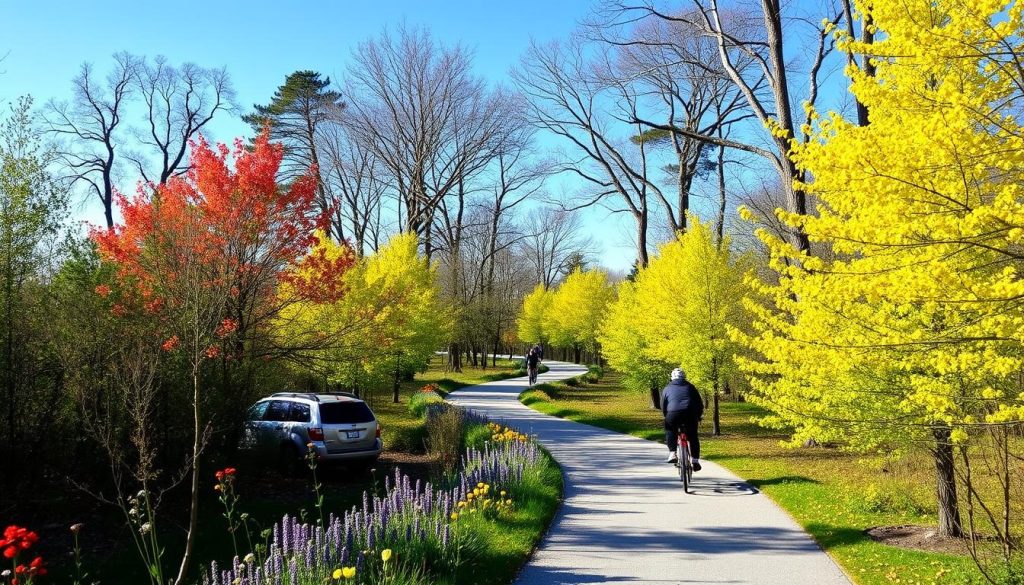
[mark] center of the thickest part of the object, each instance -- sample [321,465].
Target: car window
[334,413]
[299,412]
[278,411]
[256,411]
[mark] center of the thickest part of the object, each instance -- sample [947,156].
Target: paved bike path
[625,518]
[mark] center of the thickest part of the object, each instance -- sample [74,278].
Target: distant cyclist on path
[532,364]
[683,408]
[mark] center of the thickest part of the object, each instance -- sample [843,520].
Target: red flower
[171,344]
[36,566]
[103,290]
[17,539]
[226,474]
[212,351]
[227,327]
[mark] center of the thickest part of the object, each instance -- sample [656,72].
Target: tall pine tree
[296,116]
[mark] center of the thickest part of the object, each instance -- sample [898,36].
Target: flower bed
[414,532]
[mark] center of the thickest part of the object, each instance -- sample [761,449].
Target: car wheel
[363,466]
[289,462]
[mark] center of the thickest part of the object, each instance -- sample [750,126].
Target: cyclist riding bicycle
[683,408]
[532,363]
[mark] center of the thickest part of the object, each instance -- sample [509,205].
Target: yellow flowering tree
[626,348]
[387,325]
[910,329]
[530,323]
[678,313]
[576,310]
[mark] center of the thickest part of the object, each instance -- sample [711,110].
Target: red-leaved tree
[204,255]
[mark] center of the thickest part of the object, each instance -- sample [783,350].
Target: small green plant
[875,500]
[80,575]
[142,520]
[229,499]
[420,402]
[311,461]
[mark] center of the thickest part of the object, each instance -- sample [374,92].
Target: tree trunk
[716,429]
[720,222]
[949,509]
[454,357]
[641,239]
[398,379]
[655,398]
[193,517]
[716,421]
[796,199]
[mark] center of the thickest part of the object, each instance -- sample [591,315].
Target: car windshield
[335,413]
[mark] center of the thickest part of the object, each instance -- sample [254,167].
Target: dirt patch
[918,538]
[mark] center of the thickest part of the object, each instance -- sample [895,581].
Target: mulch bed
[918,538]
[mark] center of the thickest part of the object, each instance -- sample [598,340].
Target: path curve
[625,518]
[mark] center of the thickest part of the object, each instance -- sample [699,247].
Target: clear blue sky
[261,41]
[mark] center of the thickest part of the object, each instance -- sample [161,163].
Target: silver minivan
[340,427]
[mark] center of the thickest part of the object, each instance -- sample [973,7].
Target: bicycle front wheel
[685,466]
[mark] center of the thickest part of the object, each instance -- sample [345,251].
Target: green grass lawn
[504,546]
[403,432]
[834,495]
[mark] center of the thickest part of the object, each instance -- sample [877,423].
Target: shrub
[422,400]
[445,426]
[875,500]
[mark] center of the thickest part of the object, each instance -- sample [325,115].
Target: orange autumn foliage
[234,235]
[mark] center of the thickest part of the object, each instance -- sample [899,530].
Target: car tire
[362,467]
[289,462]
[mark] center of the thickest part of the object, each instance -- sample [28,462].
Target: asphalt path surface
[626,519]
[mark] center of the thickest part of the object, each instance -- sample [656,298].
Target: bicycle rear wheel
[685,465]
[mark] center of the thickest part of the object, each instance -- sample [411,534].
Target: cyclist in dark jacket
[683,407]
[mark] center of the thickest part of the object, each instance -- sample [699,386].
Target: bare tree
[88,126]
[739,41]
[553,239]
[356,181]
[426,117]
[585,109]
[179,102]
[675,67]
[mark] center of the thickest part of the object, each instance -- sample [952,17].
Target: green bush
[421,401]
[475,436]
[593,375]
[875,500]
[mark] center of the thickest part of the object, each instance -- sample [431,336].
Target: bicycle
[684,462]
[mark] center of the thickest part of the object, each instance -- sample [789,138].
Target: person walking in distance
[683,407]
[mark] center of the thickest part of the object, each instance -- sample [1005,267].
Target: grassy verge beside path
[835,496]
[404,432]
